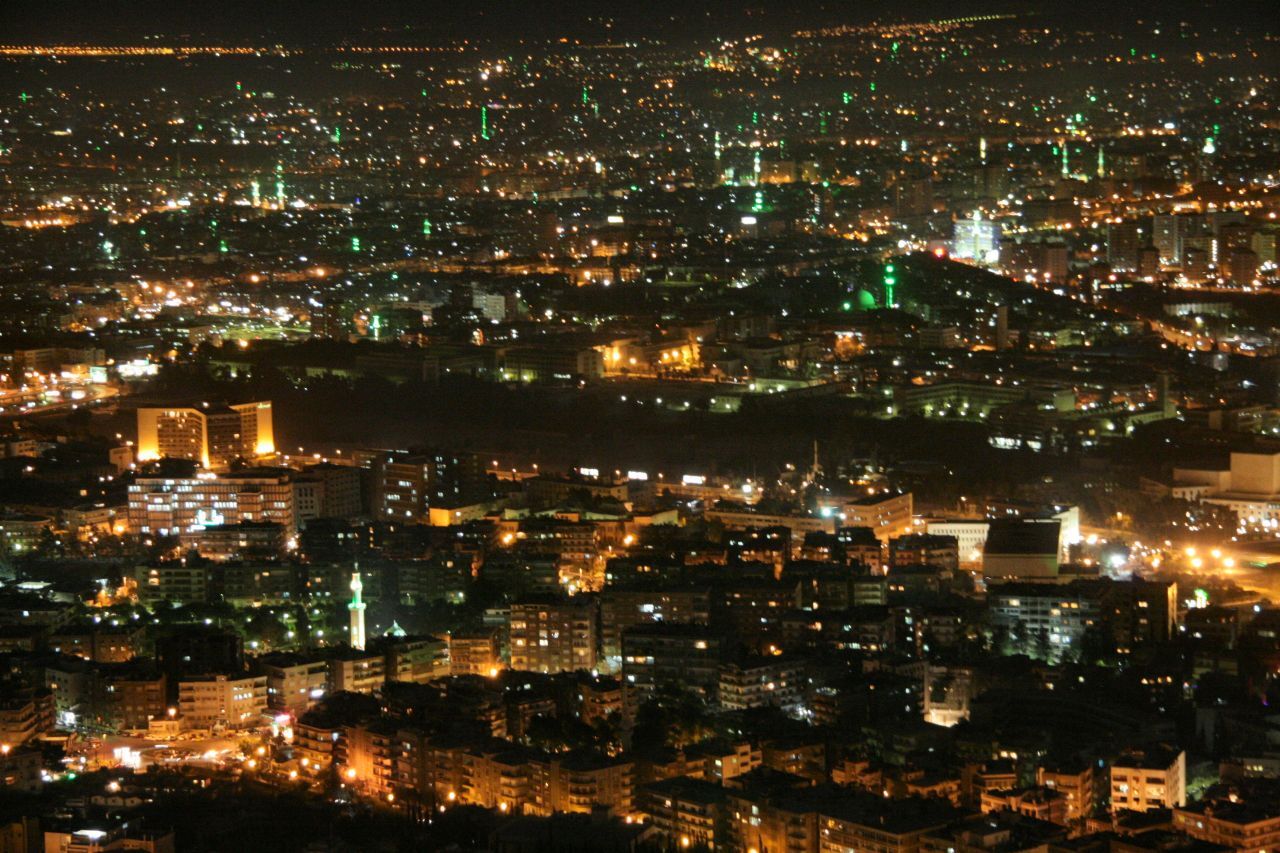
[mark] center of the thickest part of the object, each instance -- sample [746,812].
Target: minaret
[815,467]
[356,607]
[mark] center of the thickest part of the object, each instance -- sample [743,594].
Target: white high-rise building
[976,239]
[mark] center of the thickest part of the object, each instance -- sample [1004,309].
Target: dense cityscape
[826,428]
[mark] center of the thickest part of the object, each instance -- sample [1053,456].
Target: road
[102,750]
[14,404]
[24,404]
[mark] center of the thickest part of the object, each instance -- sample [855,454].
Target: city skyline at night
[814,427]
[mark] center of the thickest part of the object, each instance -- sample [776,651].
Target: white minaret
[357,610]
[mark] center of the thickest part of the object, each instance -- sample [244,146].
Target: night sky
[330,21]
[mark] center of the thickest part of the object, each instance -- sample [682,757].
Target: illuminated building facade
[356,671]
[223,700]
[475,654]
[212,437]
[1154,778]
[553,636]
[762,682]
[166,507]
[294,682]
[21,532]
[889,515]
[976,239]
[410,485]
[1244,827]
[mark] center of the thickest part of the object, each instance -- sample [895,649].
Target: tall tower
[1002,327]
[280,186]
[356,607]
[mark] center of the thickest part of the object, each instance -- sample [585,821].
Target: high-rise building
[1153,778]
[330,318]
[762,682]
[1040,260]
[357,671]
[410,485]
[1265,244]
[475,654]
[1167,233]
[553,636]
[222,700]
[172,506]
[294,682]
[328,491]
[991,182]
[621,609]
[1242,266]
[976,239]
[913,197]
[210,436]
[670,653]
[1123,242]
[1195,264]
